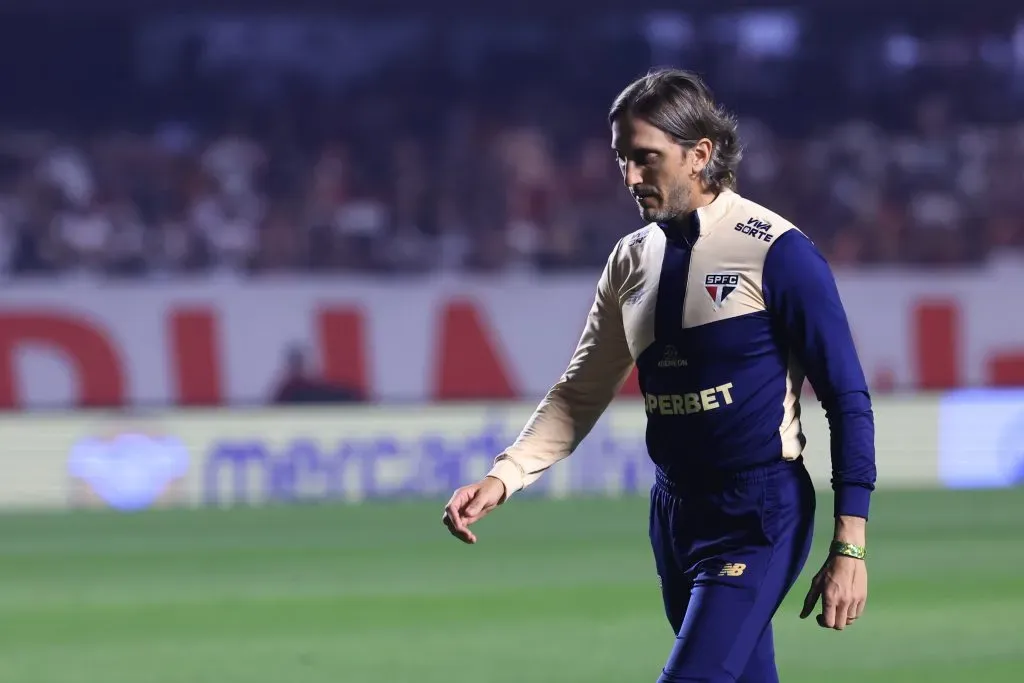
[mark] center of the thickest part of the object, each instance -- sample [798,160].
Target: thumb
[812,598]
[475,504]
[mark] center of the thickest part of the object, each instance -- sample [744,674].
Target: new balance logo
[636,297]
[732,569]
[639,237]
[670,358]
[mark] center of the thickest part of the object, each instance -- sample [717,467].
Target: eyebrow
[637,150]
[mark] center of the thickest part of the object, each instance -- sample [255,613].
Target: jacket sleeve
[597,370]
[802,297]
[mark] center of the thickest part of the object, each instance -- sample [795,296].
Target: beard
[666,207]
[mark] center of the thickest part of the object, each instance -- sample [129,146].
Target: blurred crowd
[399,176]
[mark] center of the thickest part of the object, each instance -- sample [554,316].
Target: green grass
[555,592]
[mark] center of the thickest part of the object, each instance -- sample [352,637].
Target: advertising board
[216,343]
[981,439]
[251,457]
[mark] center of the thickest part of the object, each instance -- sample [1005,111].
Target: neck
[685,224]
[702,198]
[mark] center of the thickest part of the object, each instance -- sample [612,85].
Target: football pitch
[555,592]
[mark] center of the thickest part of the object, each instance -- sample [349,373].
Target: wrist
[850,529]
[498,484]
[851,550]
[509,474]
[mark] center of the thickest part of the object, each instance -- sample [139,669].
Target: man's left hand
[842,585]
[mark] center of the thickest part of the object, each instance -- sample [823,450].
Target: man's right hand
[470,504]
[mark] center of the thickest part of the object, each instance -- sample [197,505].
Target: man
[301,383]
[724,307]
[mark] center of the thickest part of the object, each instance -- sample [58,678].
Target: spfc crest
[719,286]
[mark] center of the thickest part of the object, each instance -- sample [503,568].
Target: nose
[631,174]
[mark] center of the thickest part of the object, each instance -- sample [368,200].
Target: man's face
[656,169]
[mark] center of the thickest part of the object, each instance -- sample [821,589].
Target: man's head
[674,145]
[297,361]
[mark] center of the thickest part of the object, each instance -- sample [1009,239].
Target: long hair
[679,104]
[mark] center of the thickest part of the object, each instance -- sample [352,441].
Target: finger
[474,505]
[859,608]
[843,612]
[823,622]
[474,508]
[473,515]
[812,598]
[810,601]
[828,611]
[473,519]
[453,510]
[446,519]
[461,533]
[853,612]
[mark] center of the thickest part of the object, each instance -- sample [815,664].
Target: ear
[700,155]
